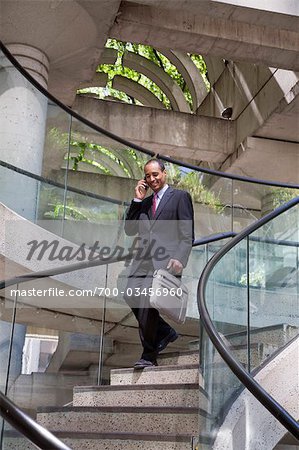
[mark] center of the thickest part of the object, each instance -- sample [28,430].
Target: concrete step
[187,374]
[115,441]
[180,358]
[136,441]
[159,420]
[17,443]
[169,395]
[125,354]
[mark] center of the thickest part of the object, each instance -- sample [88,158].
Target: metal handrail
[23,423]
[60,185]
[247,380]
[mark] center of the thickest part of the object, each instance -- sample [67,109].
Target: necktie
[154,204]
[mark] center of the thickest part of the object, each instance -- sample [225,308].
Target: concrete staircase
[164,407]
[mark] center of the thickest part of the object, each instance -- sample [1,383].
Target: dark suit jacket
[169,234]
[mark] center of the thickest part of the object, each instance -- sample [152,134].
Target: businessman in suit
[164,224]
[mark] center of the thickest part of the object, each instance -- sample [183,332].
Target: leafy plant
[153,55]
[199,193]
[257,278]
[283,195]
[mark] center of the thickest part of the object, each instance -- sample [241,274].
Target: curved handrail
[247,380]
[60,185]
[37,434]
[107,133]
[213,238]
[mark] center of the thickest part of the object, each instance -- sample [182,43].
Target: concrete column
[23,112]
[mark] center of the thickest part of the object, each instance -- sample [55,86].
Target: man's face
[155,177]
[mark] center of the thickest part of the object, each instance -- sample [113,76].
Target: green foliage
[119,69]
[76,207]
[128,160]
[201,65]
[153,55]
[257,278]
[71,211]
[191,182]
[199,193]
[283,195]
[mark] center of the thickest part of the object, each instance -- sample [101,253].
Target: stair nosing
[156,369]
[125,409]
[141,387]
[203,439]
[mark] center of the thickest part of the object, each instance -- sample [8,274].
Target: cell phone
[146,187]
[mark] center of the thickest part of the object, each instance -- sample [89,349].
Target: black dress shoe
[170,337]
[142,363]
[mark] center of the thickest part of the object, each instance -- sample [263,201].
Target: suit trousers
[152,327]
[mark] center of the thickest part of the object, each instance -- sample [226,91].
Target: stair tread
[203,438]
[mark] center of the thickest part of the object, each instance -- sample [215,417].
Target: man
[164,224]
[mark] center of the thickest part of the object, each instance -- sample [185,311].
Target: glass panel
[252,201]
[214,212]
[227,304]
[56,143]
[12,439]
[252,297]
[273,276]
[59,346]
[24,204]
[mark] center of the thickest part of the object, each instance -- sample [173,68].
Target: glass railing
[78,154]
[252,297]
[78,329]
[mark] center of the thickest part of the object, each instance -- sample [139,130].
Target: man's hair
[156,160]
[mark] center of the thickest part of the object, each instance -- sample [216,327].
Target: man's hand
[140,189]
[175,267]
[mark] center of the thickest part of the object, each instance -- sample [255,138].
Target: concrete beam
[137,91]
[155,73]
[237,85]
[277,160]
[215,67]
[282,14]
[99,80]
[193,30]
[190,73]
[265,101]
[283,123]
[167,132]
[281,88]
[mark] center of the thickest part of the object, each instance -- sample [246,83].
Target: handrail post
[248,305]
[102,335]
